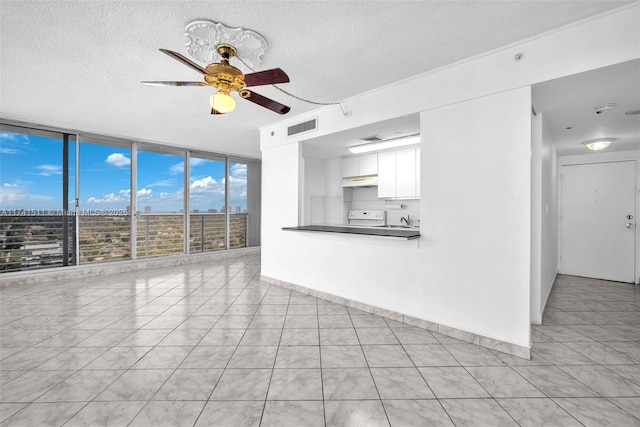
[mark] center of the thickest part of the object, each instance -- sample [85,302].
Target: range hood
[360,181]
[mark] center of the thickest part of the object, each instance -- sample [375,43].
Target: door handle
[628,225]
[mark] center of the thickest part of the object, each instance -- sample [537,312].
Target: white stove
[367,218]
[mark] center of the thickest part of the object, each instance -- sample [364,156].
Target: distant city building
[147,209]
[196,211]
[128,208]
[213,211]
[223,209]
[238,209]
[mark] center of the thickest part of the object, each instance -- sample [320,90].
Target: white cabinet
[360,165]
[368,164]
[349,167]
[387,174]
[406,172]
[398,173]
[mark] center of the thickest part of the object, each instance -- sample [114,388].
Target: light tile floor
[214,346]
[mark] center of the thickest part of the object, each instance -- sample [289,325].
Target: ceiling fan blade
[186,61]
[266,77]
[174,84]
[264,102]
[216,112]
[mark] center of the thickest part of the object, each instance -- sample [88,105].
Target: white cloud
[109,198]
[11,198]
[120,196]
[8,185]
[48,170]
[238,170]
[14,138]
[203,184]
[178,168]
[6,150]
[164,183]
[238,181]
[144,193]
[118,159]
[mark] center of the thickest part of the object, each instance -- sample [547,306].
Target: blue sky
[31,177]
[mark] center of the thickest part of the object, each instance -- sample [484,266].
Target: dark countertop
[403,233]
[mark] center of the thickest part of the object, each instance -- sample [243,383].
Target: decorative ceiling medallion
[206,36]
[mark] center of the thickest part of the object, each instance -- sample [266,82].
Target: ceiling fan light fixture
[598,144]
[222,102]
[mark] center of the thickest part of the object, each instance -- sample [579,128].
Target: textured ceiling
[78,64]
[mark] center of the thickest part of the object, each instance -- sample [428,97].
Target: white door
[598,221]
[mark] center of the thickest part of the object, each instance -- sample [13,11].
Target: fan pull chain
[292,95]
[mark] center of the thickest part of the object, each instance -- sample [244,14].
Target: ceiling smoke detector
[601,109]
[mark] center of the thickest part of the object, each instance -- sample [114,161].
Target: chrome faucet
[407,220]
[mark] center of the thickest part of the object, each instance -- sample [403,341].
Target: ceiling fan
[226,79]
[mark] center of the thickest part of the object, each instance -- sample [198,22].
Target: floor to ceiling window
[35,228]
[104,213]
[207,199]
[244,203]
[108,199]
[160,203]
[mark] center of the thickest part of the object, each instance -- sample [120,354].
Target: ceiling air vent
[373,138]
[301,127]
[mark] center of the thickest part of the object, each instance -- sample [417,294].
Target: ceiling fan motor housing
[225,77]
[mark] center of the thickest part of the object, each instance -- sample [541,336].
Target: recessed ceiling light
[598,144]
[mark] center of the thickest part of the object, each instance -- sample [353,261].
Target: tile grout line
[369,369]
[275,358]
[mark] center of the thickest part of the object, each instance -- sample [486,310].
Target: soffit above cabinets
[336,145]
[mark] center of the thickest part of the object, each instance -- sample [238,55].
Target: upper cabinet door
[387,174]
[349,167]
[368,164]
[406,172]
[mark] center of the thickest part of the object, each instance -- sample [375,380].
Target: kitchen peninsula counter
[401,233]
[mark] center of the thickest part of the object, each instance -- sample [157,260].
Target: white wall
[475,207]
[334,207]
[254,204]
[313,191]
[544,216]
[550,214]
[279,203]
[536,217]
